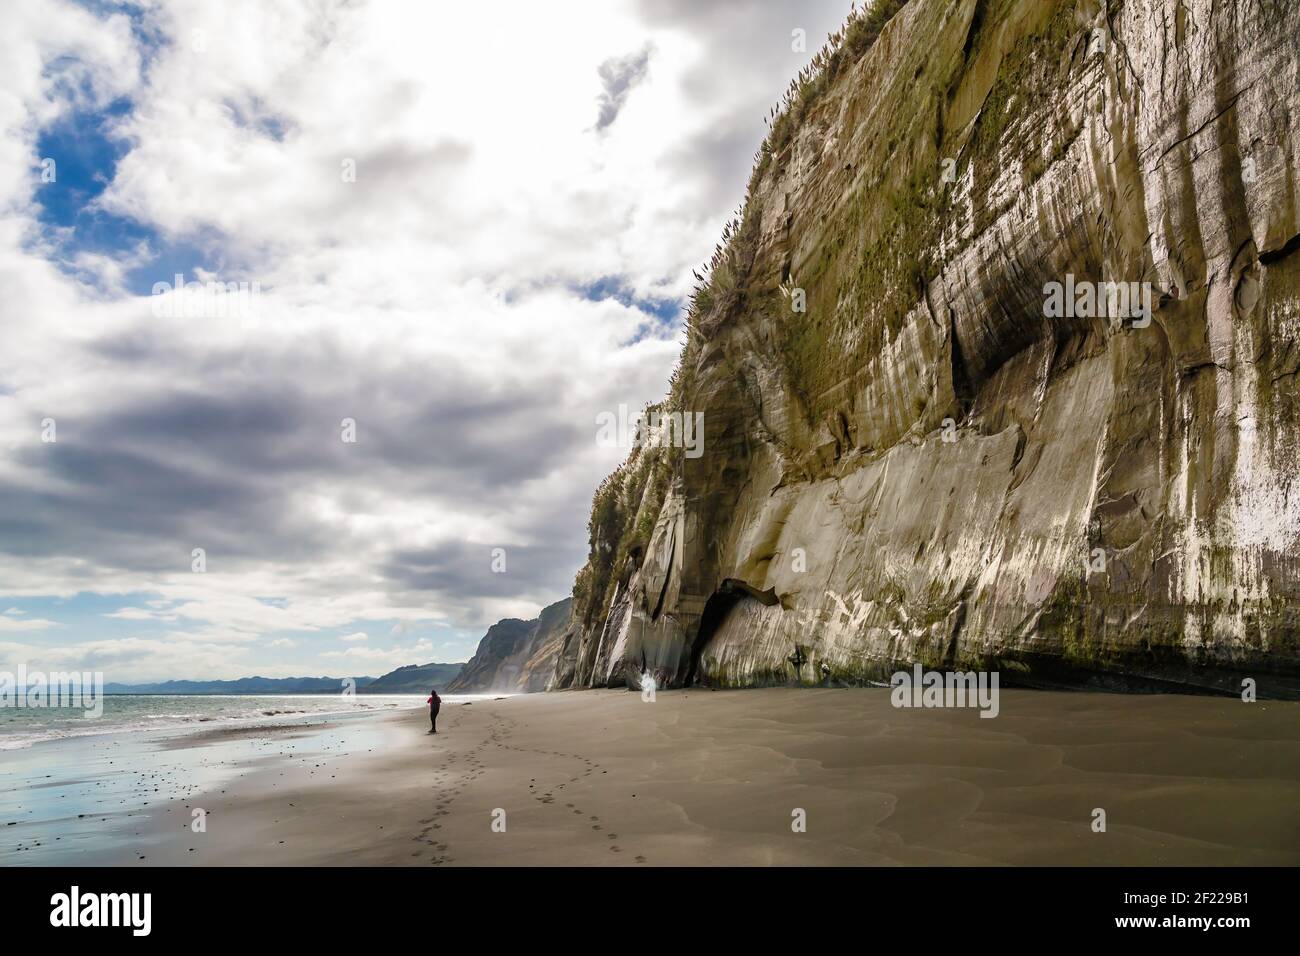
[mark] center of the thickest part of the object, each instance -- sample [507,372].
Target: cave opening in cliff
[730,593]
[716,609]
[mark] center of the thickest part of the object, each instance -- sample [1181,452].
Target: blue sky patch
[86,153]
[666,310]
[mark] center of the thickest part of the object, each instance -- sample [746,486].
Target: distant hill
[243,685]
[413,679]
[517,655]
[416,678]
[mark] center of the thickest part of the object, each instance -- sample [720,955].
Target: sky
[450,237]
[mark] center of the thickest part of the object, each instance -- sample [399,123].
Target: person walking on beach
[435,702]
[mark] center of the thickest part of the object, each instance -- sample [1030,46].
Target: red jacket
[434,700]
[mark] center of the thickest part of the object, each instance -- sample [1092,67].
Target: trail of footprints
[447,794]
[495,737]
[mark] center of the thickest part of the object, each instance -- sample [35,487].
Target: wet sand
[713,778]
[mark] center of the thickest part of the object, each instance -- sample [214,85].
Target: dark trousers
[433,720]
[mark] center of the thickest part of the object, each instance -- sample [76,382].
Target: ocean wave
[248,710]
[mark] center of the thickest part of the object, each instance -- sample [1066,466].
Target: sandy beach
[699,778]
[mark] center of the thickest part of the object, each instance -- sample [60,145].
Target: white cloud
[438,300]
[392,657]
[12,625]
[139,614]
[132,659]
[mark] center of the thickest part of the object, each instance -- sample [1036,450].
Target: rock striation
[908,455]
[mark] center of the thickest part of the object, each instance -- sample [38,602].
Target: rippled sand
[704,778]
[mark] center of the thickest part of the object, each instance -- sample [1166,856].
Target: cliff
[515,655]
[909,454]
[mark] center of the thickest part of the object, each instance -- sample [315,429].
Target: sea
[20,727]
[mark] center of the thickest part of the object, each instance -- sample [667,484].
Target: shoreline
[37,736]
[703,777]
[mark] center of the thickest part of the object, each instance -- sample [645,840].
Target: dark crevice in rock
[659,604]
[1277,255]
[716,609]
[766,598]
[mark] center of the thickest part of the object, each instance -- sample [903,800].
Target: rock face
[515,655]
[910,455]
